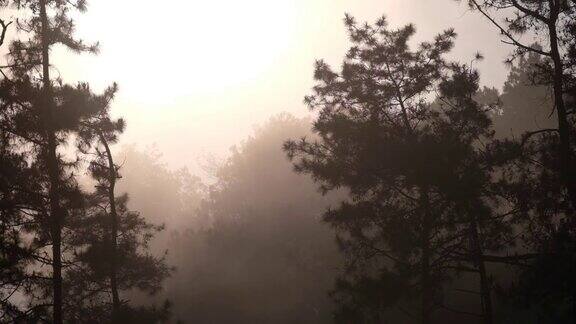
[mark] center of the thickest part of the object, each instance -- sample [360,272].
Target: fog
[287,161]
[230,66]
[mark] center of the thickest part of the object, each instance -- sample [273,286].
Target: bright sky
[195,76]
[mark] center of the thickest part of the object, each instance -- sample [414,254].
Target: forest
[412,190]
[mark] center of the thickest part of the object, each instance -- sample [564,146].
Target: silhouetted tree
[540,170]
[18,198]
[552,23]
[111,242]
[15,192]
[44,29]
[417,179]
[128,261]
[44,114]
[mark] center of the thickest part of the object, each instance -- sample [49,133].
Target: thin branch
[4,29]
[527,136]
[469,291]
[458,311]
[513,41]
[530,12]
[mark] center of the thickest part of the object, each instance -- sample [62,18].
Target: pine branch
[513,41]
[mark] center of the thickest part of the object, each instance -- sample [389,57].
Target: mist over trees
[414,192]
[416,180]
[165,196]
[261,234]
[432,193]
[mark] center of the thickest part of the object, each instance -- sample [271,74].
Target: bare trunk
[426,280]
[427,301]
[563,124]
[426,287]
[56,212]
[485,296]
[565,153]
[113,231]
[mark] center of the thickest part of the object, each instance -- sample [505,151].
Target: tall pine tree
[411,163]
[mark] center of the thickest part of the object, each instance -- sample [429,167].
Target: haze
[209,71]
[288,161]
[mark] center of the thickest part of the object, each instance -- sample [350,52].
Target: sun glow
[204,72]
[188,47]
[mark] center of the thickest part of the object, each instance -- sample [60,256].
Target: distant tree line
[256,250]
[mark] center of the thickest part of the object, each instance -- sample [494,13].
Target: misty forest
[418,166]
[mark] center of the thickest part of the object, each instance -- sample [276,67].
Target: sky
[196,76]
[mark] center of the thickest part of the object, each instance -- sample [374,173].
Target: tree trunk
[56,212]
[426,287]
[426,280]
[113,231]
[565,153]
[485,296]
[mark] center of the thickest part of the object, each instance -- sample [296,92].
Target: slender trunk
[113,231]
[427,301]
[565,153]
[56,212]
[426,280]
[485,296]
[426,286]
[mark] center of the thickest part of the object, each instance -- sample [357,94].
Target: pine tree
[18,199]
[553,24]
[411,165]
[14,255]
[539,166]
[465,127]
[111,242]
[43,114]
